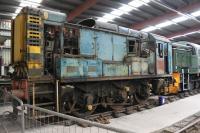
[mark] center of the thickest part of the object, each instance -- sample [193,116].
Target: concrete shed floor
[157,118]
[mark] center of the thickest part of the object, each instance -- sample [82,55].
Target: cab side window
[194,51]
[160,50]
[133,47]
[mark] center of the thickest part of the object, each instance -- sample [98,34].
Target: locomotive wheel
[68,102]
[141,94]
[86,110]
[192,85]
[197,85]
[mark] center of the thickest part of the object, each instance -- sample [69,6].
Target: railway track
[188,125]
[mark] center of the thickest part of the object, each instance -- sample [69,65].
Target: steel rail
[188,126]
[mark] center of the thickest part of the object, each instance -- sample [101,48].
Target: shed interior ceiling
[146,15]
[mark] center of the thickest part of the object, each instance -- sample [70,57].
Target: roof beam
[8,6]
[156,20]
[80,9]
[7,14]
[192,29]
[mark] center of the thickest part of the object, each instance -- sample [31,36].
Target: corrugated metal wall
[5,54]
[4,26]
[5,49]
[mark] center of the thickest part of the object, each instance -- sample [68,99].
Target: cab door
[160,59]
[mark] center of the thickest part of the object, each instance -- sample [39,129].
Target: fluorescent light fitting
[109,16]
[35,1]
[126,8]
[14,14]
[179,19]
[117,12]
[190,33]
[17,11]
[13,17]
[164,24]
[148,29]
[196,14]
[102,20]
[28,3]
[176,37]
[136,3]
[146,1]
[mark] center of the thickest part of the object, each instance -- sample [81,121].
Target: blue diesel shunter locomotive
[76,68]
[111,65]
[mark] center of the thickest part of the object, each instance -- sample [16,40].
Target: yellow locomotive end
[175,86]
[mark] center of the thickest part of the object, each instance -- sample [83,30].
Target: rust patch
[91,68]
[72,69]
[160,66]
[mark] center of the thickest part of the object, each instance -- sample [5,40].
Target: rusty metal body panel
[87,42]
[139,66]
[75,68]
[115,69]
[104,46]
[93,68]
[119,47]
[111,49]
[69,67]
[163,55]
